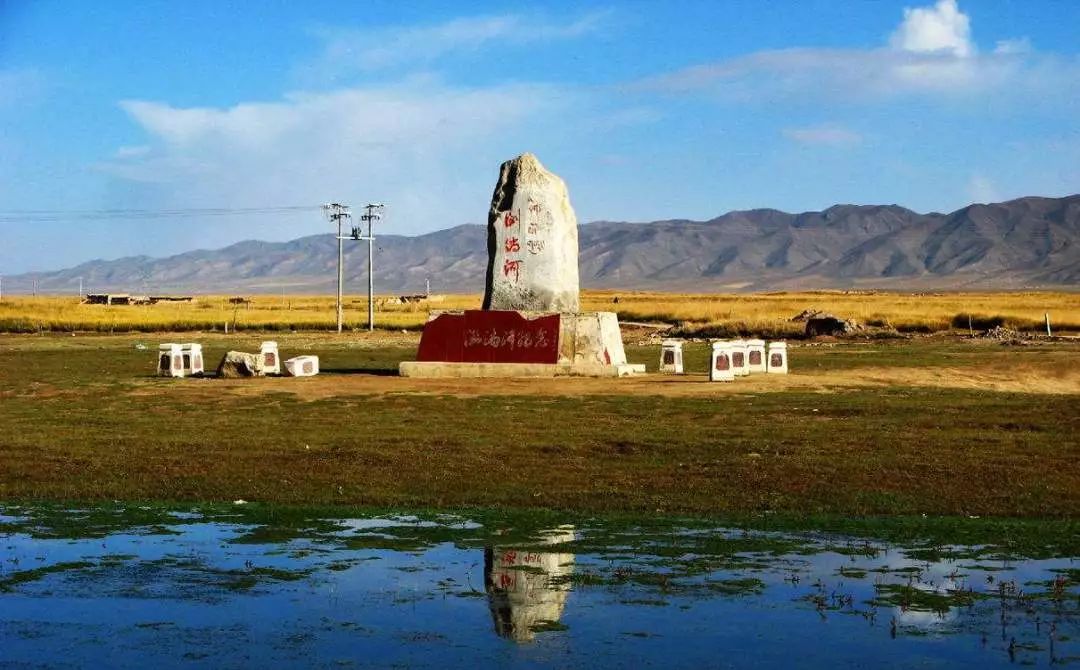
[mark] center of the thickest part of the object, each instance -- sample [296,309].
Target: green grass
[930,537]
[10,581]
[83,420]
[866,453]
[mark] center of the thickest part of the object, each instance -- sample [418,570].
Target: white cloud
[826,135]
[1020,45]
[981,189]
[131,152]
[942,28]
[426,148]
[347,51]
[930,54]
[844,74]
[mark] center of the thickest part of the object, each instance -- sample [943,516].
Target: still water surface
[140,587]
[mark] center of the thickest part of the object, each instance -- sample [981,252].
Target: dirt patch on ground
[1028,379]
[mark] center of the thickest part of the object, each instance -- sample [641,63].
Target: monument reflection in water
[527,589]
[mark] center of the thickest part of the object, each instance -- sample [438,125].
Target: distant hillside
[1029,242]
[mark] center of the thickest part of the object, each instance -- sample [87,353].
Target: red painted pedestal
[490,336]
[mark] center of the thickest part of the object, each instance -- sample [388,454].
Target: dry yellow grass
[25,314]
[763,313]
[908,312]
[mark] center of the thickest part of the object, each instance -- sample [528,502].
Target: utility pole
[371,215]
[80,288]
[337,213]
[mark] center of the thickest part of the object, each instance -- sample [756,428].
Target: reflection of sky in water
[201,596]
[404,521]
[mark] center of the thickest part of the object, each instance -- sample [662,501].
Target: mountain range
[1025,243]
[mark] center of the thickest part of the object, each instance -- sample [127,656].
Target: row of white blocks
[730,358]
[185,360]
[738,358]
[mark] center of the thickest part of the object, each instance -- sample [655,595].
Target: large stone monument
[531,323]
[532,241]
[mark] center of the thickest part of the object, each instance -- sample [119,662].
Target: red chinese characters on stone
[473,337]
[489,336]
[542,341]
[508,339]
[512,266]
[511,245]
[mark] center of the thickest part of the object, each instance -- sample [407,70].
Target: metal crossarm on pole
[371,215]
[337,213]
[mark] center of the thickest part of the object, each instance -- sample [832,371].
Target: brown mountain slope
[1021,243]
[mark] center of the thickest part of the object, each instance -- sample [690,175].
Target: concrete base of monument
[503,343]
[446,370]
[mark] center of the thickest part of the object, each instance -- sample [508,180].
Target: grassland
[693,315]
[858,429]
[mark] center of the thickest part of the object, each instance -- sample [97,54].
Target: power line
[54,215]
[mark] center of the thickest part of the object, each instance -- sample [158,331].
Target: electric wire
[58,215]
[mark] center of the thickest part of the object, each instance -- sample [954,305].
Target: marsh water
[236,587]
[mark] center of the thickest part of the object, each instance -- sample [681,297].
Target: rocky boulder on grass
[239,364]
[805,315]
[830,324]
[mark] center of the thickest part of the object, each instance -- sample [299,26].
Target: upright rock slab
[532,241]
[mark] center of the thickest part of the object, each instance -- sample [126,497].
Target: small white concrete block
[302,366]
[671,358]
[720,369]
[193,358]
[778,358]
[170,360]
[755,356]
[269,359]
[738,358]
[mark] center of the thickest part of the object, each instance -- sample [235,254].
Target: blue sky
[649,110]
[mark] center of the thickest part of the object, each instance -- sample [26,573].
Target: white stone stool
[738,358]
[720,363]
[269,360]
[170,360]
[193,358]
[778,361]
[755,356]
[302,366]
[671,357]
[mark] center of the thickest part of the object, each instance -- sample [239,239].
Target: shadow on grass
[374,372]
